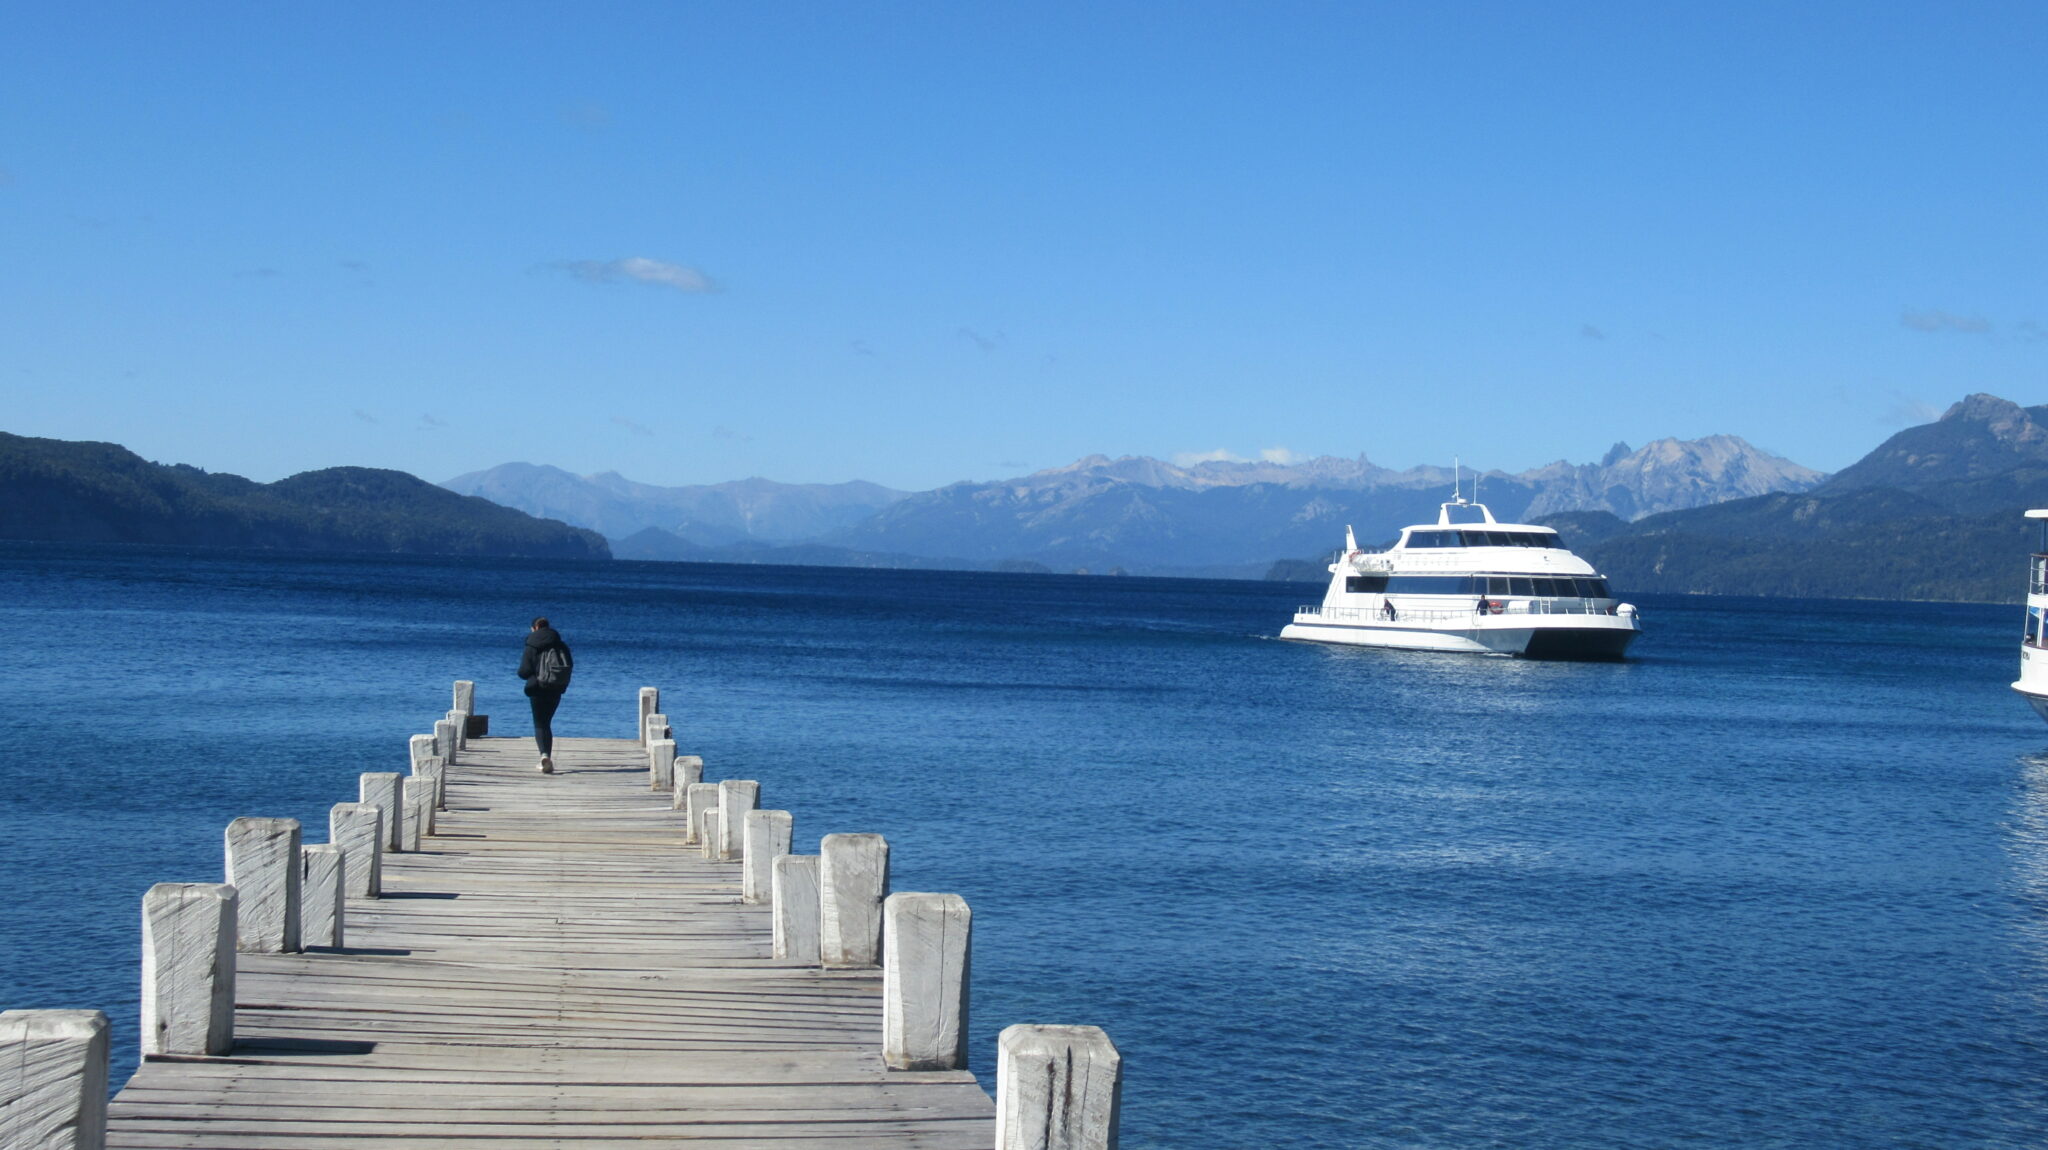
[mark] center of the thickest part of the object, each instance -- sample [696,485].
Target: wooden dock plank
[555,970]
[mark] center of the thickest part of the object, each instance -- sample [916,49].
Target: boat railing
[1458,614]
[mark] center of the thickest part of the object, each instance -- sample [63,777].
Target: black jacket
[529,658]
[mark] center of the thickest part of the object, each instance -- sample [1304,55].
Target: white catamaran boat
[1469,583]
[2033,680]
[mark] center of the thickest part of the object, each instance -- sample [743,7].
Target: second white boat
[1469,583]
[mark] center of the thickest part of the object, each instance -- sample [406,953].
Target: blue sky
[921,243]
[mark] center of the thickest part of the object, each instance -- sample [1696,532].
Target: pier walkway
[553,970]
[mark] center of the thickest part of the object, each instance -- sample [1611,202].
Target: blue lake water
[1781,880]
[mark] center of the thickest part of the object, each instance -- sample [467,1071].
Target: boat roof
[1443,518]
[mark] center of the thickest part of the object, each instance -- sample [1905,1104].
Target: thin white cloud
[640,269]
[366,417]
[1936,320]
[629,425]
[1220,455]
[988,344]
[1280,455]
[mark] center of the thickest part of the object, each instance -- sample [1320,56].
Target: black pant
[544,704]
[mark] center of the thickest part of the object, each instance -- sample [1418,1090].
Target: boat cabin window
[1474,538]
[1579,587]
[2038,569]
[1531,586]
[2033,626]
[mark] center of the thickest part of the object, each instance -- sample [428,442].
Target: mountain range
[1144,515]
[82,492]
[1934,512]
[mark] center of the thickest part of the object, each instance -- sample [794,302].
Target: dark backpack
[551,669]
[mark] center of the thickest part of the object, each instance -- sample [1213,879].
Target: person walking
[546,665]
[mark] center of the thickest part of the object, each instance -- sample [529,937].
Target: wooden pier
[554,966]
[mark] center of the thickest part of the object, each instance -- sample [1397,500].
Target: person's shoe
[547,764]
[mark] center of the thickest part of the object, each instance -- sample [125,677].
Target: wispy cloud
[2029,331]
[354,266]
[1936,320]
[366,417]
[730,435]
[1588,331]
[1013,464]
[1280,455]
[640,270]
[629,425]
[1220,455]
[987,343]
[432,423]
[860,347]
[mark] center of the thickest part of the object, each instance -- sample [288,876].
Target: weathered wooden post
[445,741]
[707,833]
[358,829]
[687,771]
[735,798]
[650,703]
[661,765]
[657,728]
[465,697]
[697,798]
[763,835]
[1057,1088]
[263,867]
[431,772]
[381,789]
[793,886]
[53,1080]
[323,896]
[188,968]
[417,819]
[461,722]
[926,959]
[418,749]
[853,879]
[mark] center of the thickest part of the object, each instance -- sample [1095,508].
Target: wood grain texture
[853,879]
[263,867]
[188,968]
[557,970]
[323,895]
[925,965]
[764,835]
[1057,1088]
[53,1079]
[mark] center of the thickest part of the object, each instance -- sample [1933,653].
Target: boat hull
[1595,638]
